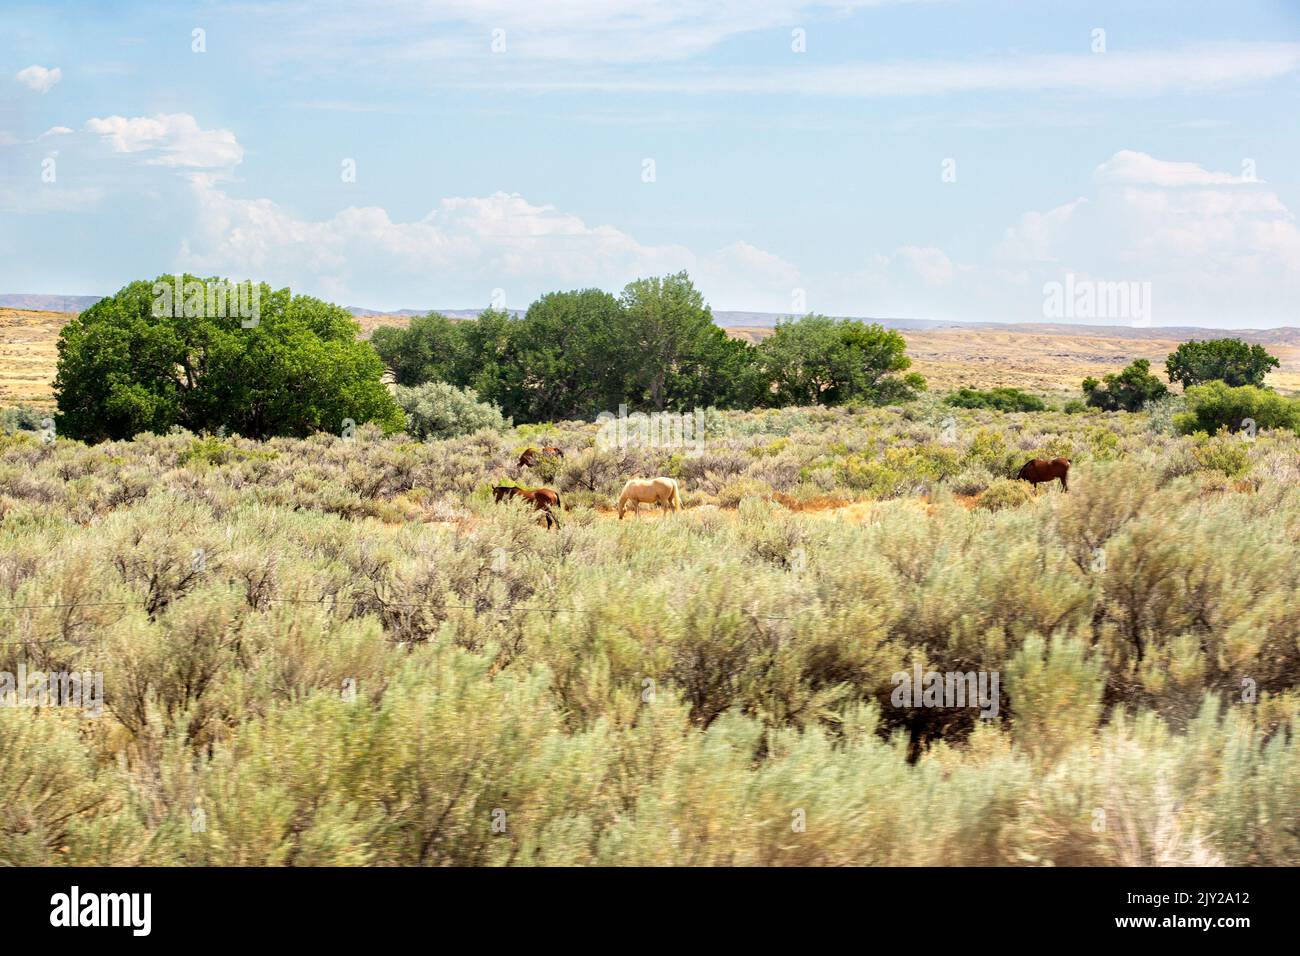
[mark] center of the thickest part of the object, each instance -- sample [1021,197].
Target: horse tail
[559,504]
[677,497]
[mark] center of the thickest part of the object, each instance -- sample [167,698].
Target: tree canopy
[1128,391]
[1217,405]
[1001,399]
[655,347]
[816,360]
[126,366]
[1230,361]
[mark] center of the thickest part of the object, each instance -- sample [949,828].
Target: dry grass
[1024,357]
[1040,360]
[28,354]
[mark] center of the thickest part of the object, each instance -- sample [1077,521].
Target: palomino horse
[1040,470]
[530,455]
[542,499]
[639,491]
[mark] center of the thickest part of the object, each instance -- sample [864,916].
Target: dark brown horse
[530,455]
[1040,470]
[542,499]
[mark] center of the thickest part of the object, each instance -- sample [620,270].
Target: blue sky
[932,159]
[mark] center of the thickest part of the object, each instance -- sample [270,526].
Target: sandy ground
[28,354]
[1037,359]
[1043,360]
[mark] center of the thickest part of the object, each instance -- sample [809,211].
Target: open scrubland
[28,354]
[1051,359]
[340,651]
[1055,358]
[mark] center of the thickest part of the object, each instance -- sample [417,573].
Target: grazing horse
[530,455]
[639,491]
[542,499]
[1040,470]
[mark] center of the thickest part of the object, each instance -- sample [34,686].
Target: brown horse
[542,499]
[530,455]
[1040,470]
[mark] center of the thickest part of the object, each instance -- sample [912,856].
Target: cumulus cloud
[457,253]
[169,139]
[931,264]
[741,276]
[38,78]
[1217,248]
[1030,240]
[1134,168]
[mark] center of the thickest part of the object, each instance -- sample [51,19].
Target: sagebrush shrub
[342,651]
[439,410]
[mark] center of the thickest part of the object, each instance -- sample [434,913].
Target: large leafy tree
[488,351]
[570,357]
[678,348]
[1126,391]
[1230,361]
[123,369]
[431,348]
[816,360]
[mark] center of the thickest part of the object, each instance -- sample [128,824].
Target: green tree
[431,348]
[1002,399]
[816,360]
[571,357]
[487,352]
[678,347]
[1230,361]
[1216,405]
[1127,391]
[127,365]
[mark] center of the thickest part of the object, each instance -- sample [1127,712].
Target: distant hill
[36,302]
[755,326]
[361,313]
[1046,357]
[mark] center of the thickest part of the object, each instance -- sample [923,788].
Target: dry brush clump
[341,651]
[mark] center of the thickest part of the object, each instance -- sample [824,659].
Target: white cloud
[1191,69]
[55,131]
[1030,240]
[170,139]
[742,277]
[587,31]
[1217,249]
[1131,167]
[466,246]
[931,264]
[38,78]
